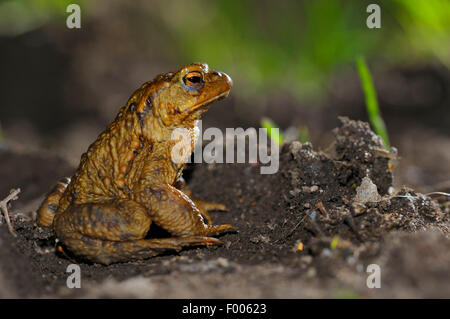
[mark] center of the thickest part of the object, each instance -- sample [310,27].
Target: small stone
[311,273]
[307,259]
[306,189]
[223,262]
[351,260]
[327,252]
[360,268]
[367,191]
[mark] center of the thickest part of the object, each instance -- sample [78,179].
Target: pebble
[311,273]
[326,252]
[223,262]
[306,189]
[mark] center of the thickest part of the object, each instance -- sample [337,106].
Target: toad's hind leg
[46,212]
[107,252]
[114,232]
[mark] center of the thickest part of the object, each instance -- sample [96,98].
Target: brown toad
[127,179]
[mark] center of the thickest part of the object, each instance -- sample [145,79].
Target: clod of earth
[308,230]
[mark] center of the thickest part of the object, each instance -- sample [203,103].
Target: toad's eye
[193,81]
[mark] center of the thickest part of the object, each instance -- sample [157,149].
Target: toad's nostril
[222,77]
[228,79]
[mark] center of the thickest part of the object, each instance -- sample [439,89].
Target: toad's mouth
[206,103]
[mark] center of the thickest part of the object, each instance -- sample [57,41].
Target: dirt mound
[308,230]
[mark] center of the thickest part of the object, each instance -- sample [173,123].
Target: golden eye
[193,81]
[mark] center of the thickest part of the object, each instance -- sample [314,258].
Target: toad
[127,179]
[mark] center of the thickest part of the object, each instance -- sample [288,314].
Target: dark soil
[309,230]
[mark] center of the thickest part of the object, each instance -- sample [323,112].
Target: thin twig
[438,193]
[4,208]
[292,230]
[322,209]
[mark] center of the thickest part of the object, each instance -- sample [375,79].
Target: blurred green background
[291,45]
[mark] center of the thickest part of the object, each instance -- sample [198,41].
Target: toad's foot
[209,206]
[50,205]
[175,212]
[107,252]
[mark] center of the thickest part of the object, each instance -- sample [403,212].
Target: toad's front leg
[173,211]
[202,205]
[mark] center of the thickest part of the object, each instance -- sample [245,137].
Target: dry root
[13,195]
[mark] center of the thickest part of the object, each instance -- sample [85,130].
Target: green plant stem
[275,135]
[371,101]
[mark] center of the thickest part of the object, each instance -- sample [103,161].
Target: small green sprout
[275,135]
[279,137]
[346,293]
[371,101]
[334,242]
[303,134]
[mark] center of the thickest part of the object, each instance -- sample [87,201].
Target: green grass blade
[275,135]
[303,134]
[371,101]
